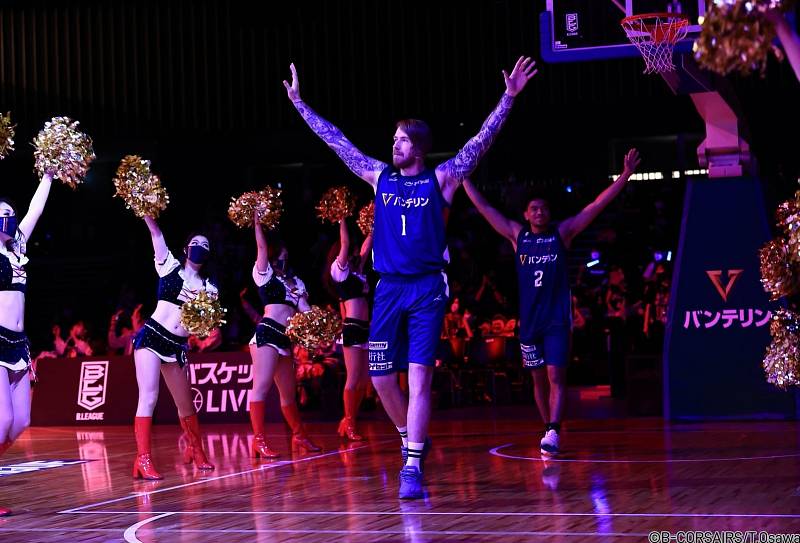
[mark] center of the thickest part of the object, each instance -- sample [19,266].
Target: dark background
[195,86]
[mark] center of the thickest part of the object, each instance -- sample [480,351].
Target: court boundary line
[496,452]
[454,513]
[130,532]
[310,531]
[264,467]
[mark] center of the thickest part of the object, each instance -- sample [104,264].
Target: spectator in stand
[616,291]
[470,321]
[456,324]
[656,304]
[510,328]
[121,331]
[59,346]
[498,325]
[580,313]
[488,298]
[616,315]
[76,344]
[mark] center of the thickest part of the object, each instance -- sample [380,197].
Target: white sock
[414,453]
[403,434]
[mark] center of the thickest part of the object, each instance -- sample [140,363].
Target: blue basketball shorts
[546,347]
[406,323]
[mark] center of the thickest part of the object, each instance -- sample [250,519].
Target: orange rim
[667,31]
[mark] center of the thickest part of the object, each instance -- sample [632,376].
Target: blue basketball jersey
[544,294]
[409,223]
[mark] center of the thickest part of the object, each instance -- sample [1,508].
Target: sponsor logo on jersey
[537,259]
[391,199]
[381,366]
[416,182]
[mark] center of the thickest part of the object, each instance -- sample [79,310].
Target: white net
[655,35]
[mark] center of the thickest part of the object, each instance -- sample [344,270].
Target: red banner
[103,390]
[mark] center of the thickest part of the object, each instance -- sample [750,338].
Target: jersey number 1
[403,218]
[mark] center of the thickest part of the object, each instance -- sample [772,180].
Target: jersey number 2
[537,281]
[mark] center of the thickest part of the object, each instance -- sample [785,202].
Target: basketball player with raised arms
[410,254]
[545,301]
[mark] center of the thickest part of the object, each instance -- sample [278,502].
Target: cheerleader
[160,346]
[15,357]
[347,274]
[282,294]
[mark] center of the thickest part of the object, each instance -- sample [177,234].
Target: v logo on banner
[716,278]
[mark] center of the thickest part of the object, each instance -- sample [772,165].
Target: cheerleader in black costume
[15,357]
[347,274]
[161,344]
[282,294]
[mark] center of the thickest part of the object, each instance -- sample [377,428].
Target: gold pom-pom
[366,218]
[314,328]
[139,188]
[336,204]
[6,135]
[60,148]
[788,215]
[777,271]
[782,359]
[736,36]
[266,202]
[202,315]
[786,212]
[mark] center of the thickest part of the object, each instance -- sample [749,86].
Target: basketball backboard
[585,30]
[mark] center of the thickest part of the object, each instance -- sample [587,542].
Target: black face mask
[8,225]
[197,254]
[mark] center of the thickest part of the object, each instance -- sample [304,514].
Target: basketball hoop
[655,35]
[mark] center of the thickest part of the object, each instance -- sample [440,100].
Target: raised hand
[464,163]
[632,161]
[523,71]
[293,89]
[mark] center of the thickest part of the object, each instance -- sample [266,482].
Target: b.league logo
[92,387]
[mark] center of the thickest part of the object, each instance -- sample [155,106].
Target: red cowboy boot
[143,464]
[194,451]
[260,447]
[300,440]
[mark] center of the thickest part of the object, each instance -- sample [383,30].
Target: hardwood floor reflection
[617,480]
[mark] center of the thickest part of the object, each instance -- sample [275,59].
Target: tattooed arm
[450,173]
[360,164]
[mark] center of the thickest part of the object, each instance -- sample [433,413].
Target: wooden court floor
[617,480]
